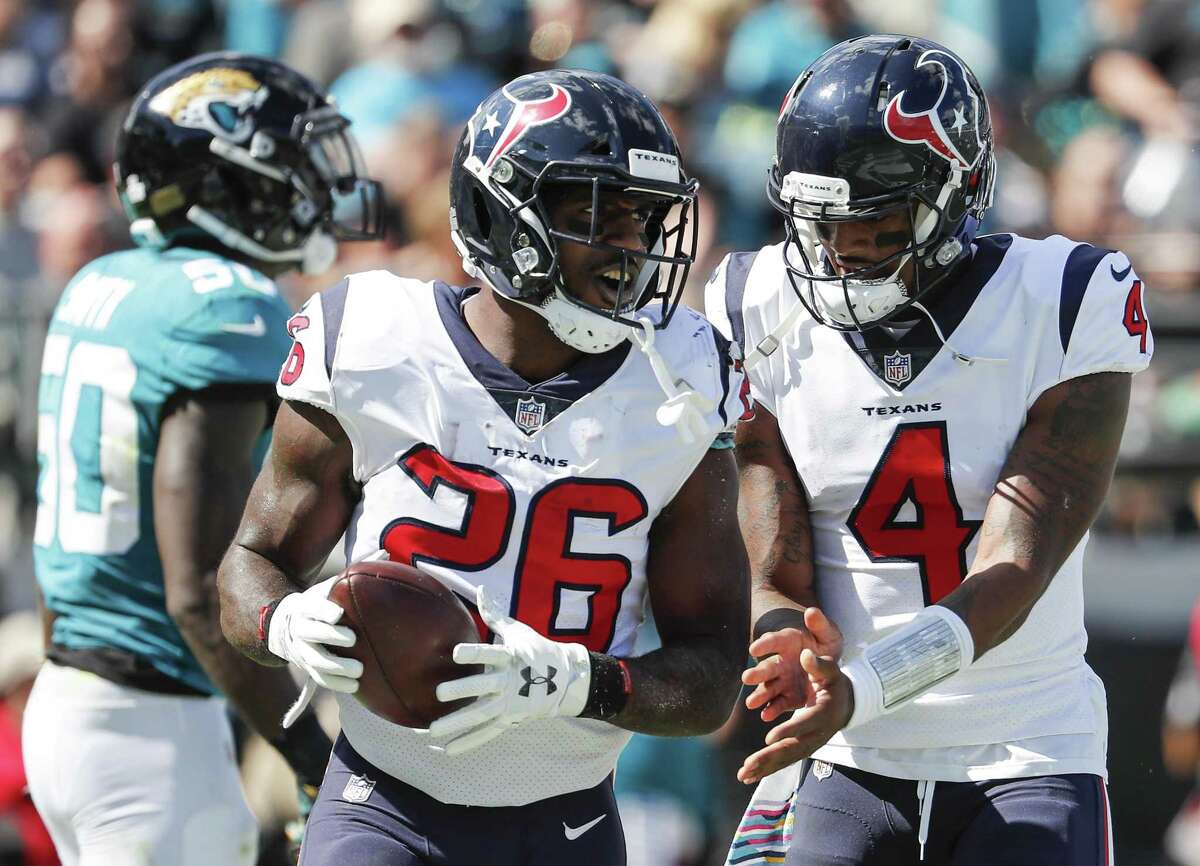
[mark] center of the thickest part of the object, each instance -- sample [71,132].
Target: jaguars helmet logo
[220,100]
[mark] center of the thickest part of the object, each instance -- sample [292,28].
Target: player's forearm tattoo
[773,514]
[774,517]
[1048,494]
[1070,467]
[795,534]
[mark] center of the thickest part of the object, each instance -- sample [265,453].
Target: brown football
[407,624]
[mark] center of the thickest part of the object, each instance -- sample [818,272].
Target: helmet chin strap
[868,301]
[684,409]
[962,358]
[849,303]
[578,328]
[585,330]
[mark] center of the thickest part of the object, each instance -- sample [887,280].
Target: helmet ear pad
[508,243]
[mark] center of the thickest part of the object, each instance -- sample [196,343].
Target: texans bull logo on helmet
[949,126]
[500,123]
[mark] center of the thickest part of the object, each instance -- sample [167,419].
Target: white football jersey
[899,443]
[544,493]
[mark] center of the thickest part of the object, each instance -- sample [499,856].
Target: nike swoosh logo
[1119,276]
[573,833]
[251,329]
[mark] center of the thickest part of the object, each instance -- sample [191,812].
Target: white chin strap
[684,409]
[591,332]
[315,256]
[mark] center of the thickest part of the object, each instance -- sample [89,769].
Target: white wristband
[893,670]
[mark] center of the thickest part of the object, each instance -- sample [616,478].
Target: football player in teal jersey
[156,400]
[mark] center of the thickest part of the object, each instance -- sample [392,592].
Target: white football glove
[301,629]
[526,676]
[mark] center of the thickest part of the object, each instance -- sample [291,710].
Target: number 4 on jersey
[915,470]
[1136,323]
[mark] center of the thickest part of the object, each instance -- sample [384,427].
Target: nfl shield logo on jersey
[897,367]
[531,414]
[358,789]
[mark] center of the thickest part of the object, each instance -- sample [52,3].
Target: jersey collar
[920,343]
[507,387]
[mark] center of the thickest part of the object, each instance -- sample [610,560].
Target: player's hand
[306,796]
[810,727]
[526,676]
[303,628]
[780,683]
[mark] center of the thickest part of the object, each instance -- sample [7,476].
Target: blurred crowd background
[1096,106]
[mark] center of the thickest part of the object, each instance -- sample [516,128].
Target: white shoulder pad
[360,322]
[1103,324]
[354,342]
[381,322]
[715,309]
[725,294]
[696,352]
[305,375]
[743,299]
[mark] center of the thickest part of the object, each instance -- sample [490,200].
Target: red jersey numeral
[487,515]
[915,468]
[1136,323]
[547,568]
[295,359]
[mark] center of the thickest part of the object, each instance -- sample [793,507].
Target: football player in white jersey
[554,447]
[937,423]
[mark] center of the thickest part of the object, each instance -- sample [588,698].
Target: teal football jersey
[130,330]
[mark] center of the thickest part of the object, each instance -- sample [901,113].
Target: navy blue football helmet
[540,136]
[875,126]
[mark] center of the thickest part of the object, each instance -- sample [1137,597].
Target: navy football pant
[850,817]
[394,824]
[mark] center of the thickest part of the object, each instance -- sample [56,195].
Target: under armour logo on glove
[504,693]
[531,680]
